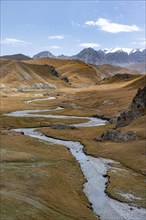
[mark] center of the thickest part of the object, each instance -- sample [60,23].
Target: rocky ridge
[116,136]
[136,109]
[115,56]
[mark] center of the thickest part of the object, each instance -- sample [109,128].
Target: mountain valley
[43,179]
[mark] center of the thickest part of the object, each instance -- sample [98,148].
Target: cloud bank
[108,26]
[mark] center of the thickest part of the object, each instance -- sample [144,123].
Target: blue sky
[67,27]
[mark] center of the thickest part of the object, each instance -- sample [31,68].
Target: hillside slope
[82,74]
[19,76]
[49,73]
[78,72]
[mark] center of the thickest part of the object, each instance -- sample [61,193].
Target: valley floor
[41,180]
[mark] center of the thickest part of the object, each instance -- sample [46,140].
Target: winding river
[92,168]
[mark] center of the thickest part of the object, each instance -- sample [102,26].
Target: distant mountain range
[114,56]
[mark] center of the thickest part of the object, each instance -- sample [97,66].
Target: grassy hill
[78,72]
[50,73]
[21,76]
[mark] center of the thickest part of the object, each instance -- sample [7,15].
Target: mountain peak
[115,56]
[43,54]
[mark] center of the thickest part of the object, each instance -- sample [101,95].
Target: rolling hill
[78,72]
[50,73]
[19,76]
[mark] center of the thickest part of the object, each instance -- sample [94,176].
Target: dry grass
[124,181]
[42,179]
[38,174]
[20,75]
[79,73]
[108,99]
[131,155]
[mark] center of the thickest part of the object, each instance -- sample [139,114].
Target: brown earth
[43,180]
[48,73]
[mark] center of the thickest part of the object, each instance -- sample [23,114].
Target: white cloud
[90,23]
[89,45]
[13,42]
[58,37]
[108,26]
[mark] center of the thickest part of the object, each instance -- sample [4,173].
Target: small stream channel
[92,168]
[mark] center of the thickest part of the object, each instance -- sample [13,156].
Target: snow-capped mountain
[118,49]
[115,56]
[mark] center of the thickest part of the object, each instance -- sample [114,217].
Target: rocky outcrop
[65,78]
[139,101]
[61,126]
[123,76]
[103,117]
[53,71]
[116,136]
[136,109]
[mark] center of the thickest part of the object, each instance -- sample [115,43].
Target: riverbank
[94,170]
[74,104]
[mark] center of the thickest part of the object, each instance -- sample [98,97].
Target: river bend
[92,168]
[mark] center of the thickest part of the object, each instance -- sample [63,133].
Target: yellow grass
[43,180]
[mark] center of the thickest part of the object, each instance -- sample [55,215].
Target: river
[93,169]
